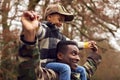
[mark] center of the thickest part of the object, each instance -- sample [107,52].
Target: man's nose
[77,58]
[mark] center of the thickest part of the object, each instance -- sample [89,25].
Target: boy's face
[56,19]
[71,56]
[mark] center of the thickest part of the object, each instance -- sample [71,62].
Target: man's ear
[60,56]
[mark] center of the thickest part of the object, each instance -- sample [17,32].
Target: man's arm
[92,63]
[28,57]
[29,67]
[30,21]
[93,60]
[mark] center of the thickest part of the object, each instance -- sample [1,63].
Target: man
[68,53]
[47,34]
[67,58]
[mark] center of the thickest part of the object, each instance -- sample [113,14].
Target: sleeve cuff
[82,45]
[27,42]
[95,57]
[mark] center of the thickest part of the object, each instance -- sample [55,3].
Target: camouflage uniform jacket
[30,68]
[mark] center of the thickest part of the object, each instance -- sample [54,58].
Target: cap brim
[68,17]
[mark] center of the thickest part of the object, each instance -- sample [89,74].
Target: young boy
[48,35]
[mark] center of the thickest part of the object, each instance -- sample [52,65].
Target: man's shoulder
[75,76]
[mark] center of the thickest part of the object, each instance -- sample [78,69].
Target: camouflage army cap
[57,8]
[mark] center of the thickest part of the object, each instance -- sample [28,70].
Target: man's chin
[74,66]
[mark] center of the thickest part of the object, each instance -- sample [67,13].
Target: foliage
[8,55]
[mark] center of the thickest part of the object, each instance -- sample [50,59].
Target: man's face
[71,57]
[56,19]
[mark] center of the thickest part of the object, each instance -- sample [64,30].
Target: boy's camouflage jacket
[30,69]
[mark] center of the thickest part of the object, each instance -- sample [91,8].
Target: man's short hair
[62,46]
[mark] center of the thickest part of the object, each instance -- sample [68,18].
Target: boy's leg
[62,69]
[82,72]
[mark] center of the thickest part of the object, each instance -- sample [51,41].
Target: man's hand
[30,21]
[91,45]
[94,48]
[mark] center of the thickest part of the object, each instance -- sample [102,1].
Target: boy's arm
[83,44]
[86,44]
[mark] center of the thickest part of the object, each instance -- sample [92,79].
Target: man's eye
[74,53]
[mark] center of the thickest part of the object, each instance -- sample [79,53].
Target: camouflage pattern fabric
[29,65]
[75,76]
[45,74]
[30,68]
